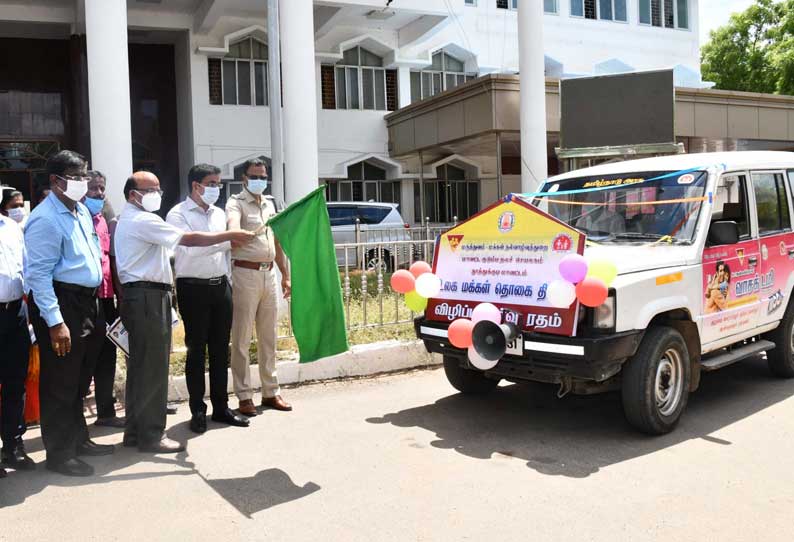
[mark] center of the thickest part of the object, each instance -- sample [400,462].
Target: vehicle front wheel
[655,384]
[781,358]
[466,380]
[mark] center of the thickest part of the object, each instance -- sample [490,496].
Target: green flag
[318,319]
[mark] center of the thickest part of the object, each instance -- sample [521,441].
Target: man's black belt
[214,281]
[13,306]
[82,290]
[148,285]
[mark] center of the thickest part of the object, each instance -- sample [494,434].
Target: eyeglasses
[257,177]
[74,178]
[143,191]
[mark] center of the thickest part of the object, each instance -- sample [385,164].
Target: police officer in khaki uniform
[254,289]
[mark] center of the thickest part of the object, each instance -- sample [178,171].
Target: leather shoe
[229,417]
[111,421]
[71,467]
[2,472]
[164,446]
[198,423]
[247,408]
[276,403]
[91,448]
[130,440]
[17,459]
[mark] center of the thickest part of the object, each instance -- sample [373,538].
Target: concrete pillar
[404,86]
[300,98]
[533,95]
[274,91]
[109,93]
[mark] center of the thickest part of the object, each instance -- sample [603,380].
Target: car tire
[781,358]
[466,380]
[655,382]
[379,259]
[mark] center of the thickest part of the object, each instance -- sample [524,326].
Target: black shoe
[229,417]
[111,421]
[130,440]
[91,448]
[164,446]
[198,423]
[170,408]
[71,467]
[3,472]
[18,459]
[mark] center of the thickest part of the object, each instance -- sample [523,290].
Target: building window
[449,197]
[665,13]
[445,73]
[470,2]
[607,10]
[365,182]
[240,77]
[360,81]
[550,6]
[501,4]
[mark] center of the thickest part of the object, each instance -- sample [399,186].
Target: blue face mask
[94,205]
[257,186]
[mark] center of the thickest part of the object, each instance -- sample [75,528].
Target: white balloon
[480,362]
[486,311]
[561,294]
[428,285]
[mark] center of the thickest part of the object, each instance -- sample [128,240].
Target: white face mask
[75,190]
[211,194]
[17,214]
[257,186]
[151,201]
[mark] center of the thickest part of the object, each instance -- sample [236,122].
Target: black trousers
[105,367]
[207,314]
[146,315]
[15,341]
[64,381]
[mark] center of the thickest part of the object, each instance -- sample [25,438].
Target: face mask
[257,186]
[94,205]
[17,214]
[211,194]
[75,190]
[151,201]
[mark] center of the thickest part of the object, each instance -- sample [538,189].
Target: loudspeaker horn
[490,340]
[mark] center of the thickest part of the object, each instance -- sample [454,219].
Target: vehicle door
[773,207]
[730,299]
[343,229]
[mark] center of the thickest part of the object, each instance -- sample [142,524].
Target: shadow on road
[576,436]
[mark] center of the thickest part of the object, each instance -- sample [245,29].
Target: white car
[379,224]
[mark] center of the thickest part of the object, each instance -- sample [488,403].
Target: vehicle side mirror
[723,232]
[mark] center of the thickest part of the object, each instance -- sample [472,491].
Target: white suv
[377,223]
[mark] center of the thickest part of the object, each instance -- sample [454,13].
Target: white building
[192,73]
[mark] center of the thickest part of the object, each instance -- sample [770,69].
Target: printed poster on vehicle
[507,255]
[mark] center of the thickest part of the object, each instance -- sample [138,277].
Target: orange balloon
[592,292]
[402,281]
[420,268]
[459,333]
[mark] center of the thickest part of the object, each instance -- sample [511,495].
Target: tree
[754,52]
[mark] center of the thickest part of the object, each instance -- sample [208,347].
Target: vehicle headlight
[604,314]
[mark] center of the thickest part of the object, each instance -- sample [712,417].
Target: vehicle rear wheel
[655,383]
[379,260]
[781,358]
[466,380]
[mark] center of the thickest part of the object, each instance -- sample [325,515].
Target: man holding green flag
[304,232]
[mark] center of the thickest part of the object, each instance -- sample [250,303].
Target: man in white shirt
[204,297]
[143,242]
[15,341]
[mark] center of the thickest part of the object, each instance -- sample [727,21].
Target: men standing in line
[254,293]
[15,341]
[105,366]
[204,297]
[63,270]
[143,241]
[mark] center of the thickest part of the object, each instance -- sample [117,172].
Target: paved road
[405,458]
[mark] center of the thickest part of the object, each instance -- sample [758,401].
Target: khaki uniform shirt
[243,212]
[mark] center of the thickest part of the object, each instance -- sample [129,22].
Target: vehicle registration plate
[515,348]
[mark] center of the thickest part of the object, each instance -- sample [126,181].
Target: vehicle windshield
[642,208]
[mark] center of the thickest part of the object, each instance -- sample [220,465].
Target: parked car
[376,223]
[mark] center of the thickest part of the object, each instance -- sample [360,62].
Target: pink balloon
[420,268]
[573,268]
[459,333]
[402,281]
[592,292]
[486,311]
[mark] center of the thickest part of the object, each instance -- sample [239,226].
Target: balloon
[402,281]
[602,269]
[486,311]
[415,302]
[561,294]
[573,268]
[480,362]
[420,268]
[459,333]
[591,292]
[428,285]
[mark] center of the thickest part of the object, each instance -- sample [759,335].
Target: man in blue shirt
[63,271]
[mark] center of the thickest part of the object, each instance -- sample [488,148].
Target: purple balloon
[573,268]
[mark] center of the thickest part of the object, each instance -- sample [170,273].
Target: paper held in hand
[118,335]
